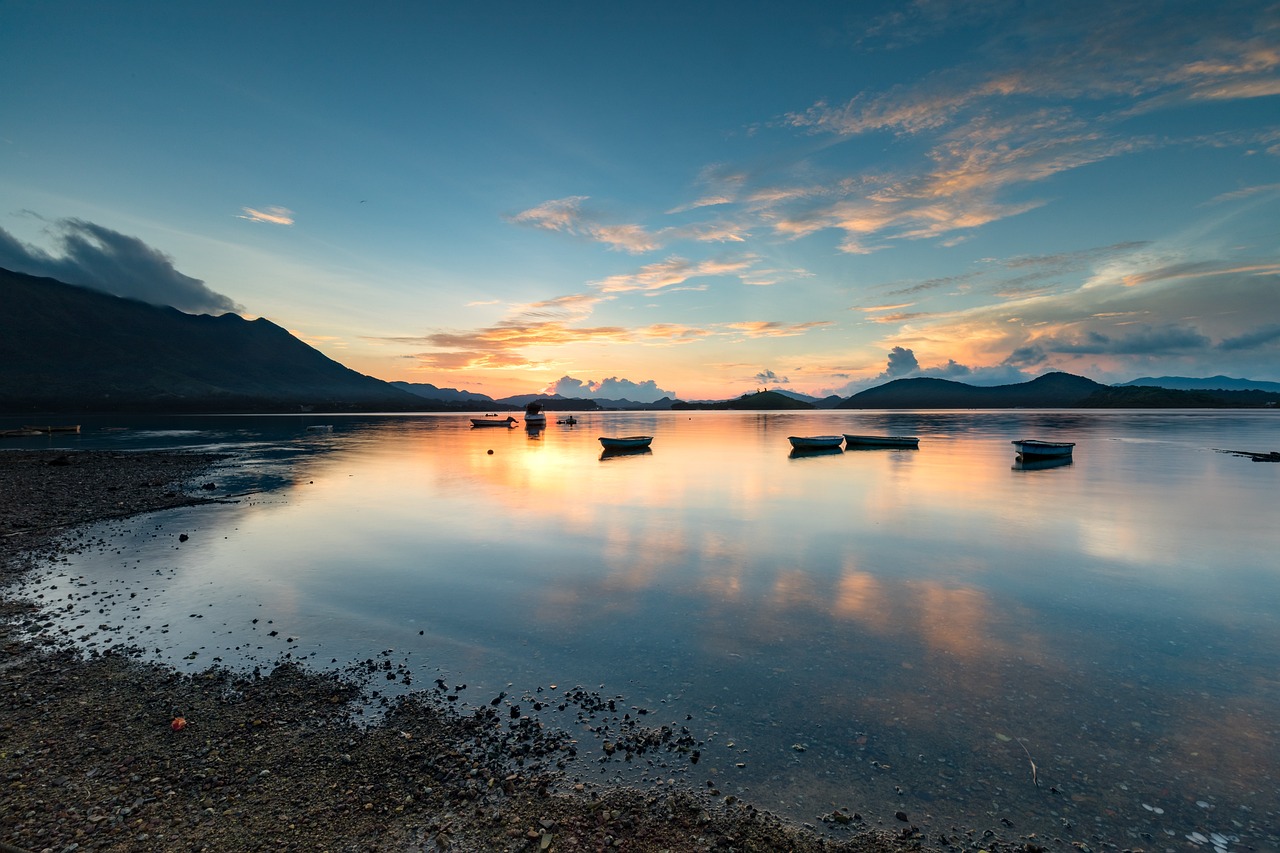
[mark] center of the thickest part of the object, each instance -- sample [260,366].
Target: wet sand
[92,758]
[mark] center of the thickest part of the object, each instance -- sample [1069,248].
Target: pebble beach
[106,751]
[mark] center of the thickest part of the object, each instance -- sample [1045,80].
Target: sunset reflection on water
[924,623]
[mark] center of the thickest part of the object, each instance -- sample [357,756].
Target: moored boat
[815,442]
[626,442]
[493,421]
[534,417]
[881,440]
[68,428]
[19,433]
[1031,448]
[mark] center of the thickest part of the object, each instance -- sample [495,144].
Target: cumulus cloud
[768,377]
[95,256]
[613,388]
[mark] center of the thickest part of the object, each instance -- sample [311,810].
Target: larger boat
[534,416]
[881,440]
[1031,448]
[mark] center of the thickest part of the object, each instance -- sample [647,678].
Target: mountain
[1051,391]
[444,395]
[761,401]
[70,348]
[1212,383]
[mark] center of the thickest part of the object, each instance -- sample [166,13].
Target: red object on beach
[178,724]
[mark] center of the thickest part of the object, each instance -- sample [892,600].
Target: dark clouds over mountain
[115,263]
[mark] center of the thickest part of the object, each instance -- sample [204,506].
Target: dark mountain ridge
[71,348]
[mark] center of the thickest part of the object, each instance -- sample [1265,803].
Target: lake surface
[1088,652]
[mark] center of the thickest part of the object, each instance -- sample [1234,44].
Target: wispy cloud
[566,215]
[776,329]
[273,215]
[672,272]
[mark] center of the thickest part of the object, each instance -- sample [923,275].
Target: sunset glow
[686,201]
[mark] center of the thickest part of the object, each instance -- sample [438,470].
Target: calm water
[874,630]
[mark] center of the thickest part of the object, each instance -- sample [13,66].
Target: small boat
[815,442]
[320,428]
[569,421]
[19,433]
[71,428]
[881,440]
[626,442]
[1030,448]
[493,421]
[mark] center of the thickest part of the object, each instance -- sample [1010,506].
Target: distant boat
[71,428]
[320,428]
[626,442]
[534,417]
[493,421]
[569,421]
[881,440]
[815,442]
[19,433]
[1030,448]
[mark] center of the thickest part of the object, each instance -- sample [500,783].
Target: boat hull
[881,440]
[1030,448]
[815,442]
[626,442]
[492,422]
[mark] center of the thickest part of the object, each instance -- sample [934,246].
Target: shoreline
[89,755]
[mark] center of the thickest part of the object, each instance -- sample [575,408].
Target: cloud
[613,388]
[998,124]
[768,377]
[1146,340]
[671,272]
[902,362]
[273,215]
[775,329]
[567,216]
[1253,340]
[95,256]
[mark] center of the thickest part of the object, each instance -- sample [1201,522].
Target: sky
[685,199]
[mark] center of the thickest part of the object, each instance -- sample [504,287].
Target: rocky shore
[106,752]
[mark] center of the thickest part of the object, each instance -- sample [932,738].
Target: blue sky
[667,198]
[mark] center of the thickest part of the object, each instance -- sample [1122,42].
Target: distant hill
[444,395]
[1212,383]
[761,401]
[830,402]
[1051,391]
[70,348]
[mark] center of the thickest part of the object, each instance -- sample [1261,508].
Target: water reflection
[924,624]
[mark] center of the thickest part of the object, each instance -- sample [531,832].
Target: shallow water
[1088,652]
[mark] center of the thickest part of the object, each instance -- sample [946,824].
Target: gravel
[108,752]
